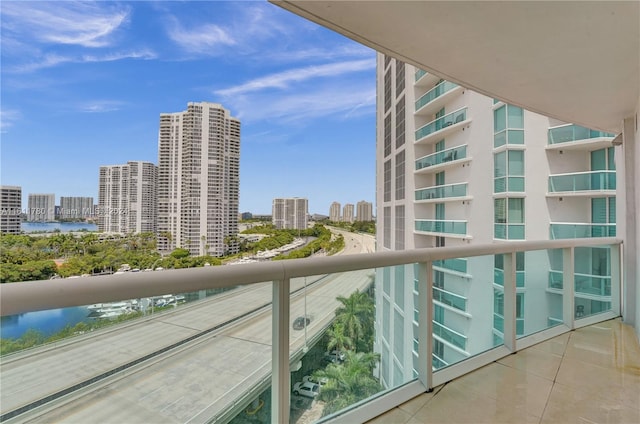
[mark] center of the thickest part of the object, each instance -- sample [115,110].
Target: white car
[307,389]
[315,380]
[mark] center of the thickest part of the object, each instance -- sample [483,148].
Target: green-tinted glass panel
[612,210]
[611,159]
[440,123]
[516,162]
[442,157]
[599,210]
[515,184]
[440,178]
[440,146]
[568,133]
[500,185]
[515,117]
[437,91]
[515,137]
[500,138]
[516,211]
[441,226]
[516,232]
[500,164]
[499,119]
[440,192]
[599,160]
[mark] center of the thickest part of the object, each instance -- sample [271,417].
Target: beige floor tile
[412,406]
[598,381]
[567,405]
[506,384]
[537,362]
[395,416]
[557,345]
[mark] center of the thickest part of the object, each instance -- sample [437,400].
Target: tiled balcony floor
[590,375]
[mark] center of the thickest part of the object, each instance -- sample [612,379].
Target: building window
[509,218]
[399,228]
[508,125]
[400,127]
[399,77]
[400,175]
[508,171]
[387,90]
[387,135]
[387,181]
[386,236]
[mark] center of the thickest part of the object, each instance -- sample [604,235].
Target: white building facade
[347,213]
[334,212]
[10,209]
[127,198]
[75,207]
[364,211]
[41,207]
[454,168]
[198,179]
[290,213]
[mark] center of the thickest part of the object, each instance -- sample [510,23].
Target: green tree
[338,339]
[356,311]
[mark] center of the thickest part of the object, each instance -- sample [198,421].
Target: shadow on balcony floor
[591,375]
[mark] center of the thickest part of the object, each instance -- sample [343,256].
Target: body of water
[65,227]
[47,322]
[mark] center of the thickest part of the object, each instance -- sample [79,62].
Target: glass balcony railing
[442,192]
[498,277]
[451,299]
[282,296]
[596,285]
[420,73]
[580,230]
[444,156]
[509,231]
[434,93]
[569,133]
[440,123]
[582,181]
[441,226]
[455,264]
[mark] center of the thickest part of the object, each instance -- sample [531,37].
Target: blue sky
[83,85]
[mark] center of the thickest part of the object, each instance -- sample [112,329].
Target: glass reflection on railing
[442,122]
[583,181]
[581,230]
[441,226]
[442,192]
[444,156]
[435,92]
[568,133]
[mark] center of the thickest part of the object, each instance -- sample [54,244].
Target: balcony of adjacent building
[569,230]
[436,98]
[440,161]
[575,137]
[589,184]
[442,227]
[442,127]
[442,193]
[424,79]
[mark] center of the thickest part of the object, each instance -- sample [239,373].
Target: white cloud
[100,106]
[8,117]
[88,24]
[202,39]
[51,60]
[282,80]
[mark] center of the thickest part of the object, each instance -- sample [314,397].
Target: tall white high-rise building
[198,179]
[290,213]
[127,198]
[364,211]
[75,207]
[456,168]
[347,212]
[334,212]
[10,209]
[41,207]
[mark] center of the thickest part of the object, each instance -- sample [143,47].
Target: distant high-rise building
[198,179]
[75,207]
[41,207]
[127,198]
[334,212]
[364,211]
[347,212]
[290,213]
[10,209]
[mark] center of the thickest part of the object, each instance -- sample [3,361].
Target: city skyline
[77,97]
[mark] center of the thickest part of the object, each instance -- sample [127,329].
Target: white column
[281,378]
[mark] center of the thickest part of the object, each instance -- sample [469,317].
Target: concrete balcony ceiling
[575,61]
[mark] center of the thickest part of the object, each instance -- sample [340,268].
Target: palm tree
[355,314]
[338,339]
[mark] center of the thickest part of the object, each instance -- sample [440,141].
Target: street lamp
[305,348]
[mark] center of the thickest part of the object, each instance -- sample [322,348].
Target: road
[191,383]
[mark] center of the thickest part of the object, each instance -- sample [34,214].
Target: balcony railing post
[281,377]
[568,287]
[616,279]
[425,324]
[510,301]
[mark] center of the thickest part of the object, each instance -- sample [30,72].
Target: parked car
[301,322]
[335,356]
[306,388]
[315,380]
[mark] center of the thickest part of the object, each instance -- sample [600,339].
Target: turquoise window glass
[499,119]
[515,117]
